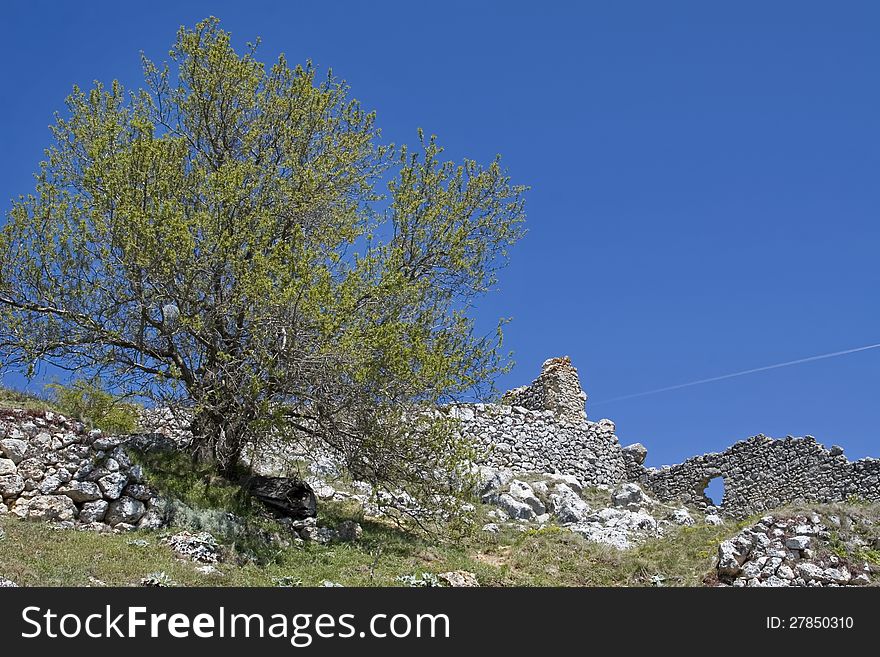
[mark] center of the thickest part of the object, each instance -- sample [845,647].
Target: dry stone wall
[557,389]
[536,441]
[52,468]
[763,473]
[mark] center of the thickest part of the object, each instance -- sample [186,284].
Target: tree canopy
[220,240]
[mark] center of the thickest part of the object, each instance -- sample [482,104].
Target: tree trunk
[217,442]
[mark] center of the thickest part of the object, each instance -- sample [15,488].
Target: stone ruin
[543,427]
[54,469]
[557,389]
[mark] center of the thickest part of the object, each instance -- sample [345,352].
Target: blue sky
[704,179]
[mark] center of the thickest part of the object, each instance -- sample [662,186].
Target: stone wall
[52,468]
[557,389]
[762,473]
[537,441]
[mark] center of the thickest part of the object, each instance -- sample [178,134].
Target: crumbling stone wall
[52,468]
[537,441]
[557,389]
[762,473]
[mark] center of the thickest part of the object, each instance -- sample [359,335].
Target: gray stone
[125,510]
[629,495]
[798,542]
[730,558]
[520,490]
[567,505]
[139,492]
[152,520]
[93,511]
[81,491]
[637,452]
[837,575]
[112,485]
[681,517]
[513,507]
[13,449]
[57,508]
[809,571]
[11,485]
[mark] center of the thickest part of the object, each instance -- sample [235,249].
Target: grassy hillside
[33,554]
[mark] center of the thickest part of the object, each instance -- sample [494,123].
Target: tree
[217,241]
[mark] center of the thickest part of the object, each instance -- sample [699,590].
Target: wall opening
[714,491]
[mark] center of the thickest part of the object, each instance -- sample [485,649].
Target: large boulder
[289,497]
[637,452]
[513,507]
[521,491]
[567,505]
[630,496]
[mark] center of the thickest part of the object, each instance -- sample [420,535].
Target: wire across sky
[736,374]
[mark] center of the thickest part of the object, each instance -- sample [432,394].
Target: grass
[27,401]
[33,554]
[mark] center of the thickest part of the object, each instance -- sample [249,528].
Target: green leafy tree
[219,241]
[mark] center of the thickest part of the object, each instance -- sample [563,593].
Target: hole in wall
[715,490]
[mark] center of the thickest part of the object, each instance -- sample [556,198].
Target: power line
[735,374]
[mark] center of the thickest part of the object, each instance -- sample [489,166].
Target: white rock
[93,511]
[798,542]
[809,571]
[730,558]
[567,505]
[785,572]
[11,485]
[713,519]
[837,575]
[520,490]
[631,496]
[125,510]
[7,467]
[113,484]
[81,491]
[59,508]
[152,520]
[513,507]
[681,517]
[13,449]
[489,480]
[569,480]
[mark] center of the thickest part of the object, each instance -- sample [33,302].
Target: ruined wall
[52,468]
[762,473]
[543,427]
[557,389]
[536,441]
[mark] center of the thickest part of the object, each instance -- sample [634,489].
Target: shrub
[90,404]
